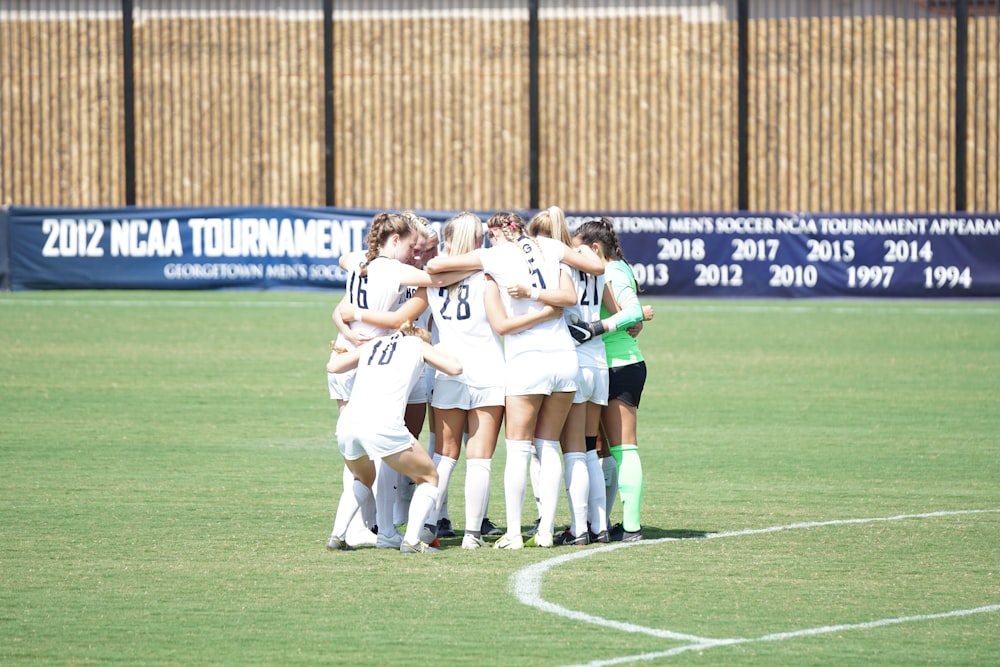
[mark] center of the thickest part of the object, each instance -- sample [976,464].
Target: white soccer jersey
[533,262]
[379,290]
[387,371]
[423,320]
[465,331]
[589,293]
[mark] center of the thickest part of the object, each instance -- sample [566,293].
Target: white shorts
[592,386]
[451,393]
[421,392]
[543,373]
[367,440]
[341,384]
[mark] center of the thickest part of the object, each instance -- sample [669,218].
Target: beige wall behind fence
[637,113]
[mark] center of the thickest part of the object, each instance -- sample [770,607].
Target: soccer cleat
[388,541]
[567,538]
[601,537]
[427,534]
[444,528]
[470,542]
[540,539]
[534,529]
[488,528]
[418,548]
[619,534]
[509,541]
[337,544]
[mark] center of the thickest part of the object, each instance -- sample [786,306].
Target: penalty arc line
[526,585]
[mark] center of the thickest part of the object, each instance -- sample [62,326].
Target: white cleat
[472,542]
[509,541]
[389,541]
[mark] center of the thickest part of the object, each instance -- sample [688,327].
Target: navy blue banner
[739,254]
[804,255]
[4,248]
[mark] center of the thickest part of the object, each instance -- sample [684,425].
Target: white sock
[445,467]
[577,490]
[550,476]
[404,492]
[515,482]
[347,506]
[385,499]
[431,443]
[610,468]
[346,509]
[477,492]
[366,503]
[535,466]
[424,499]
[400,504]
[597,508]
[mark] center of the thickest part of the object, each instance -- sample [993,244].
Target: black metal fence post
[128,83]
[743,104]
[961,89]
[533,105]
[328,95]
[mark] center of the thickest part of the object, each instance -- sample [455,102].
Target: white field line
[526,585]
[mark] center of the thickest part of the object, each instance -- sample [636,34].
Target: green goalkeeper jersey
[622,349]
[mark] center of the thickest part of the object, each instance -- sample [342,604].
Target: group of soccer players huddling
[535,332]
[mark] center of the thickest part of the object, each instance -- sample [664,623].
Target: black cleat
[444,528]
[619,534]
[567,538]
[489,529]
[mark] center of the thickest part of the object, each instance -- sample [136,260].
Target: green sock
[629,484]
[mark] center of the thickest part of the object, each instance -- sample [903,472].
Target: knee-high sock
[629,484]
[597,503]
[535,466]
[550,475]
[424,499]
[347,506]
[401,505]
[515,482]
[610,468]
[444,467]
[577,490]
[477,492]
[366,503]
[385,498]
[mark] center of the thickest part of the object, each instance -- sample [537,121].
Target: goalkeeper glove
[584,331]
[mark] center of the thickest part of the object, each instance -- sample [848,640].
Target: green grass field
[169,478]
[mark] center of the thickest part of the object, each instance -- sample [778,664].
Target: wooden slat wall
[637,112]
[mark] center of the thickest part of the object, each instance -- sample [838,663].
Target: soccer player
[585,489]
[472,402]
[371,425]
[627,374]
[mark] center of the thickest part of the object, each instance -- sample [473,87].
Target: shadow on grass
[653,533]
[648,533]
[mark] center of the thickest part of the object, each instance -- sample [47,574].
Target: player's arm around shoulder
[351,260]
[584,259]
[444,362]
[467,262]
[341,361]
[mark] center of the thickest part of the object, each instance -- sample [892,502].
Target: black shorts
[626,382]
